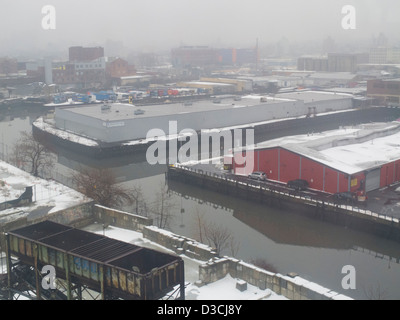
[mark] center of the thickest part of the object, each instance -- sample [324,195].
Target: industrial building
[384,55]
[210,86]
[124,122]
[359,159]
[234,56]
[219,85]
[333,62]
[387,91]
[82,74]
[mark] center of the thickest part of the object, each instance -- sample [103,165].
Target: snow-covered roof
[314,96]
[349,150]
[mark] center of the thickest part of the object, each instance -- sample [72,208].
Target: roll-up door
[373,180]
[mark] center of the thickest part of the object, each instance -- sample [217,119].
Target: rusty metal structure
[83,260]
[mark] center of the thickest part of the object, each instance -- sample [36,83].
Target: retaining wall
[292,287]
[179,244]
[120,219]
[349,216]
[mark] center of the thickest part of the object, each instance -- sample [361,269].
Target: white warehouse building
[125,122]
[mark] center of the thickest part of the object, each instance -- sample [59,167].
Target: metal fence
[282,191]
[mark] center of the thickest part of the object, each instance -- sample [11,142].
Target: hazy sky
[156,24]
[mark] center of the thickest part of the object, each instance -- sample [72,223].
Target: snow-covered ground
[48,196]
[224,289]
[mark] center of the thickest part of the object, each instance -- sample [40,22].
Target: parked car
[345,196]
[298,184]
[258,175]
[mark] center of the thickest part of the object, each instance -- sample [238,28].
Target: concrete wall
[79,214]
[292,287]
[167,239]
[120,219]
[331,105]
[179,244]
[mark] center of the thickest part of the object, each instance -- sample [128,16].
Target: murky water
[288,241]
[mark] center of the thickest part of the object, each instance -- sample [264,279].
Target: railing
[283,192]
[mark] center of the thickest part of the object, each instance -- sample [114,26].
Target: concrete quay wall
[291,286]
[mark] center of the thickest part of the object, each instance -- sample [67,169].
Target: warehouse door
[373,180]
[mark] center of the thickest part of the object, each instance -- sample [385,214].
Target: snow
[46,193]
[359,148]
[42,125]
[223,289]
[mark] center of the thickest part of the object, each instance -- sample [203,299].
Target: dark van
[298,184]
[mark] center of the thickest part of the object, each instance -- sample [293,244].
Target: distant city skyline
[154,25]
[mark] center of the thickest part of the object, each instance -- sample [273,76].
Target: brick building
[118,67]
[386,91]
[81,74]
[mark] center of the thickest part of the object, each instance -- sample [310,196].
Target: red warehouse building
[358,159]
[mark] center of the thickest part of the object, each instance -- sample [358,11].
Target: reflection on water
[290,242]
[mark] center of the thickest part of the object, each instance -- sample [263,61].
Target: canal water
[286,240]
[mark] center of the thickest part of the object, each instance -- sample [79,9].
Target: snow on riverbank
[224,289]
[48,195]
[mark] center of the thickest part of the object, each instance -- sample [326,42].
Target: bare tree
[199,221]
[264,264]
[138,201]
[101,186]
[234,246]
[31,155]
[163,207]
[217,236]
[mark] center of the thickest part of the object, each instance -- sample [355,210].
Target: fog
[149,25]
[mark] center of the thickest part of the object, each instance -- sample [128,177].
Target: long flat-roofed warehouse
[124,122]
[112,268]
[357,159]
